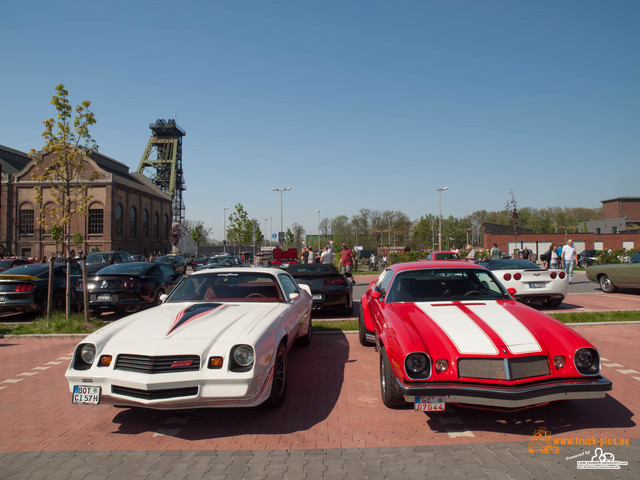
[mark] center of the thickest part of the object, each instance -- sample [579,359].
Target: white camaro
[527,282]
[220,339]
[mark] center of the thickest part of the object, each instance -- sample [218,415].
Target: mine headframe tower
[162,160]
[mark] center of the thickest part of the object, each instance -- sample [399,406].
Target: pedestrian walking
[569,256]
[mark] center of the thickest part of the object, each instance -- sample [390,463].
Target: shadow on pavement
[316,375]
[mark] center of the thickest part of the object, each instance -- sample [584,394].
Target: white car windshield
[227,287]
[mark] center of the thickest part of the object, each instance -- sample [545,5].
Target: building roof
[12,161]
[622,199]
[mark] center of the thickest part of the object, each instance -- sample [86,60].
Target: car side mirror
[294,296]
[306,288]
[376,295]
[512,291]
[163,297]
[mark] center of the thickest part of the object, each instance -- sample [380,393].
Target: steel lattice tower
[163,156]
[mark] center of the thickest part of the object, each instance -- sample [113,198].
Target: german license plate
[536,284]
[105,297]
[317,296]
[85,395]
[429,404]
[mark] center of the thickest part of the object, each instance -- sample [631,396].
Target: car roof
[218,271]
[448,264]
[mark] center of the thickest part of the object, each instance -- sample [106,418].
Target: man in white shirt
[569,256]
[327,256]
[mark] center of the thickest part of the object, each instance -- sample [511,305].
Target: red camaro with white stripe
[449,332]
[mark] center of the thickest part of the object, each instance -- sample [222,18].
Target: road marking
[28,374]
[3,387]
[627,371]
[166,432]
[53,363]
[612,365]
[69,357]
[461,433]
[40,368]
[637,378]
[13,380]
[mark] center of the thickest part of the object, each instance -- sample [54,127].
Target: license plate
[105,297]
[317,296]
[84,395]
[1,298]
[429,404]
[537,285]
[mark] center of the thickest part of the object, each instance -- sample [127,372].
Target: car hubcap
[279,373]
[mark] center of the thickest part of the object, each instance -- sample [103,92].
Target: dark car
[329,288]
[221,261]
[7,263]
[178,262]
[129,286]
[25,288]
[97,260]
[586,258]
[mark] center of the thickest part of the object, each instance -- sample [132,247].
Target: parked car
[527,282]
[97,260]
[7,263]
[586,258]
[449,332]
[138,258]
[616,275]
[198,262]
[25,288]
[129,286]
[329,288]
[442,256]
[220,339]
[178,262]
[284,258]
[221,261]
[365,254]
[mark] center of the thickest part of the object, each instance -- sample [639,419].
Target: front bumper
[519,396]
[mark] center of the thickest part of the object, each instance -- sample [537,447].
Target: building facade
[126,210]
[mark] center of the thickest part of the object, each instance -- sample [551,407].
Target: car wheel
[606,284]
[306,339]
[279,380]
[362,331]
[391,396]
[348,310]
[583,264]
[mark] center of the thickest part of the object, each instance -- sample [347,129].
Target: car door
[629,274]
[377,312]
[298,307]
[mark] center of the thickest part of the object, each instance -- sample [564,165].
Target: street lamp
[265,231]
[389,247]
[271,233]
[318,212]
[281,190]
[224,241]
[440,190]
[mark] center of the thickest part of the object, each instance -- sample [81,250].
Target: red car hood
[484,328]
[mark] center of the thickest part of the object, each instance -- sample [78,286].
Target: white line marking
[28,374]
[637,378]
[625,372]
[53,363]
[612,365]
[166,432]
[13,380]
[463,433]
[40,368]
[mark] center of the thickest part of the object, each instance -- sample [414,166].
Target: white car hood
[171,327]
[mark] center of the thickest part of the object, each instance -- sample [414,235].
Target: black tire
[583,264]
[305,340]
[606,284]
[348,310]
[391,396]
[279,380]
[362,331]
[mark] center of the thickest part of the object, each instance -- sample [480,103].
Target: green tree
[60,165]
[240,230]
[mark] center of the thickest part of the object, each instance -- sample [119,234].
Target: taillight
[131,284]
[517,276]
[335,281]
[24,287]
[553,275]
[507,276]
[562,275]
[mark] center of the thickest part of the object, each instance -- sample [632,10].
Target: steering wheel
[255,295]
[473,292]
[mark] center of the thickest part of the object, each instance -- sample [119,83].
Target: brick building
[126,211]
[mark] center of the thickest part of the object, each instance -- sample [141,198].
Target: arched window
[156,225]
[118,226]
[145,223]
[133,222]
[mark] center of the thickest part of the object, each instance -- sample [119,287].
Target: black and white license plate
[429,404]
[317,296]
[86,395]
[105,297]
[537,284]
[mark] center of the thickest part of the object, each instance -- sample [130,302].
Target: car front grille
[163,364]
[154,394]
[503,369]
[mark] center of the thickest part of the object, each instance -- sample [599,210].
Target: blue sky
[351,103]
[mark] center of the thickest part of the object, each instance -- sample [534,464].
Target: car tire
[362,331]
[391,396]
[583,264]
[305,340]
[606,284]
[348,310]
[279,380]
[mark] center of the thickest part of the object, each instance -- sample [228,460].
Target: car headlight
[243,356]
[587,361]
[84,357]
[417,365]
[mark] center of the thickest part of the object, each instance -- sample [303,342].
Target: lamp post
[281,190]
[271,233]
[318,212]
[224,241]
[265,231]
[389,244]
[440,190]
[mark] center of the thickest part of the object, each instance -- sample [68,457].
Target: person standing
[311,254]
[471,256]
[346,259]
[326,256]
[495,253]
[569,256]
[305,256]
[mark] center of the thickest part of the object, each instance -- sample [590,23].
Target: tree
[191,225]
[514,217]
[298,233]
[241,229]
[174,235]
[60,166]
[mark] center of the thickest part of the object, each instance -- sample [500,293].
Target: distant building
[126,212]
[618,215]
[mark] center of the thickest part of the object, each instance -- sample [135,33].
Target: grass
[57,324]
